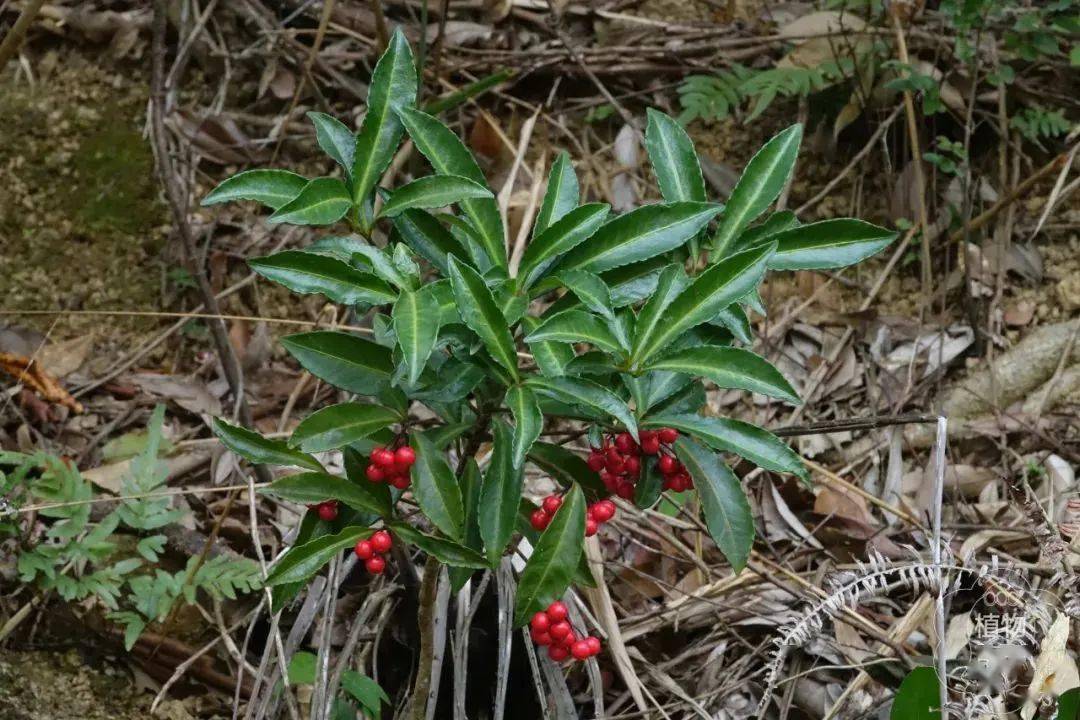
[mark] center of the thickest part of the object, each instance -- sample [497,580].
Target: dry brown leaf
[1055,669]
[63,358]
[36,378]
[831,500]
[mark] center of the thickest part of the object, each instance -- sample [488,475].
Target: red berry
[328,510]
[596,461]
[581,650]
[668,435]
[540,622]
[381,541]
[540,638]
[594,645]
[613,456]
[374,473]
[651,445]
[609,480]
[617,467]
[405,456]
[624,442]
[558,653]
[539,519]
[551,504]
[591,526]
[400,481]
[632,465]
[603,511]
[375,565]
[557,612]
[667,464]
[646,435]
[364,550]
[560,630]
[400,468]
[625,490]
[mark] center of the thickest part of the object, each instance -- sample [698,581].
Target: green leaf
[307,272]
[761,183]
[669,286]
[736,321]
[590,289]
[435,487]
[828,244]
[445,551]
[528,421]
[393,87]
[360,253]
[671,152]
[561,196]
[709,293]
[587,393]
[1069,702]
[552,358]
[639,235]
[919,696]
[365,691]
[262,451]
[729,367]
[449,156]
[335,139]
[565,467]
[727,511]
[756,444]
[302,668]
[356,463]
[651,483]
[575,326]
[500,495]
[435,191]
[470,495]
[479,311]
[302,561]
[425,234]
[416,324]
[323,201]
[343,360]
[272,188]
[564,234]
[315,487]
[554,559]
[338,425]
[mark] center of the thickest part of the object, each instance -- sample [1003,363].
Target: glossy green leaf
[500,494]
[587,393]
[365,691]
[361,254]
[919,696]
[416,324]
[709,293]
[479,311]
[590,289]
[639,235]
[425,234]
[356,461]
[449,156]
[393,87]
[528,421]
[308,272]
[335,139]
[1069,703]
[254,447]
[561,236]
[736,321]
[323,201]
[776,222]
[761,183]
[445,551]
[554,559]
[471,483]
[435,487]
[729,367]
[828,244]
[756,444]
[338,425]
[552,358]
[671,152]
[434,191]
[565,467]
[649,486]
[669,285]
[560,197]
[726,509]
[633,283]
[343,360]
[302,561]
[315,487]
[575,326]
[272,188]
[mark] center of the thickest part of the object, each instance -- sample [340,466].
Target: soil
[45,685]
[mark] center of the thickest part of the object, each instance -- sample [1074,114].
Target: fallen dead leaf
[35,377]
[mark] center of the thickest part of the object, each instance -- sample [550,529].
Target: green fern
[1036,123]
[712,97]
[224,577]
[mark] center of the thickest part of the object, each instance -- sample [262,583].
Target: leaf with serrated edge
[435,487]
[307,272]
[479,311]
[272,188]
[345,361]
[639,235]
[423,232]
[323,201]
[310,488]
[562,236]
[500,494]
[590,289]
[588,393]
[709,293]
[730,368]
[338,425]
[434,191]
[726,509]
[673,158]
[669,285]
[761,183]
[335,139]
[528,421]
[416,324]
[252,446]
[551,358]
[575,326]
[302,561]
[551,566]
[828,244]
[756,444]
[561,195]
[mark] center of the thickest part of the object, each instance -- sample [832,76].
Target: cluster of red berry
[327,510]
[372,550]
[597,514]
[551,629]
[618,460]
[391,466]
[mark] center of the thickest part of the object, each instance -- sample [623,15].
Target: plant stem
[426,620]
[13,40]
